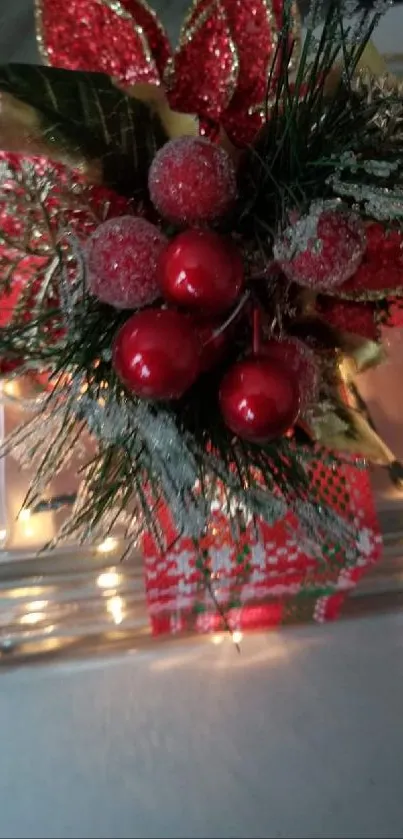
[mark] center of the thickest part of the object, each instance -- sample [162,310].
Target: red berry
[156,354]
[202,272]
[322,249]
[122,258]
[292,354]
[258,400]
[192,180]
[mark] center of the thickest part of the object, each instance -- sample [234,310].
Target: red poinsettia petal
[145,17]
[254,28]
[357,318]
[202,76]
[98,36]
[197,8]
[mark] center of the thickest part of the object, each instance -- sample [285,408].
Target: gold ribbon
[341,421]
[347,425]
[21,132]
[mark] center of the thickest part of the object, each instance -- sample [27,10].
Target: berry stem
[234,314]
[257,331]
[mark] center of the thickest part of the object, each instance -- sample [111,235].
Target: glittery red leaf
[357,318]
[381,270]
[198,7]
[254,28]
[99,36]
[203,73]
[28,228]
[143,15]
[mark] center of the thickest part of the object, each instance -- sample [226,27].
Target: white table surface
[299,736]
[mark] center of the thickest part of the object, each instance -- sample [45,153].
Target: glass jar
[84,601]
[68,599]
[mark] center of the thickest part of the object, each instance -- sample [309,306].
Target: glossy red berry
[259,401]
[202,272]
[156,354]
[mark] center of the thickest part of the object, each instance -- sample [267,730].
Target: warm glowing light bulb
[31,618]
[115,609]
[217,639]
[37,605]
[25,515]
[9,387]
[108,545]
[109,579]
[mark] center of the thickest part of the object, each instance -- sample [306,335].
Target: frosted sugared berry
[322,249]
[122,257]
[192,181]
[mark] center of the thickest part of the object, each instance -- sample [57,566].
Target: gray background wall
[300,736]
[17,41]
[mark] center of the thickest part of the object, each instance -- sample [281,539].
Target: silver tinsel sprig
[149,437]
[378,202]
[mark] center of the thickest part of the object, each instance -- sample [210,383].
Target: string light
[25,518]
[217,639]
[31,618]
[109,580]
[115,609]
[237,636]
[9,387]
[108,545]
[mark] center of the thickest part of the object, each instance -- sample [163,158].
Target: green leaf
[82,116]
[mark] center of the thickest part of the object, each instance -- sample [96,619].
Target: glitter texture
[145,18]
[254,27]
[122,258]
[202,76]
[219,72]
[191,180]
[322,249]
[99,36]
